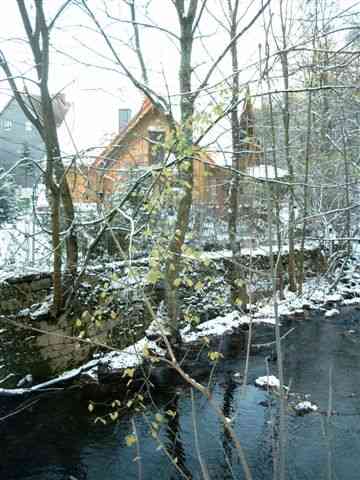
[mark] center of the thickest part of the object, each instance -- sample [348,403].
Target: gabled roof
[114,147]
[33,103]
[112,150]
[6,106]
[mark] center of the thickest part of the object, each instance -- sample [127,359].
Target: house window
[156,145]
[28,126]
[7,124]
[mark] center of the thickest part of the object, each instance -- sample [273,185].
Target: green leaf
[78,323]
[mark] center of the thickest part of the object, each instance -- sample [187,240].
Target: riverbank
[208,337]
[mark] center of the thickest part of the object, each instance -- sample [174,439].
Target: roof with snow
[266,172]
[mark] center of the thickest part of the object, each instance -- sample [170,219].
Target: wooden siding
[131,149]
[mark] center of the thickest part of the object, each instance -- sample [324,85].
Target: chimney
[124,118]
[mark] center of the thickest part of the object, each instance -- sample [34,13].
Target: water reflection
[228,410]
[174,442]
[57,439]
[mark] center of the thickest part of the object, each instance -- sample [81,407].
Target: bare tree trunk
[347,191]
[138,49]
[306,194]
[278,266]
[45,123]
[289,163]
[237,284]
[173,261]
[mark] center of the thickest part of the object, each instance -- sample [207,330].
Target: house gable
[17,137]
[132,148]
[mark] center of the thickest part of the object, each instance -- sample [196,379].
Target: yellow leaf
[114,416]
[129,372]
[130,440]
[215,356]
[101,420]
[171,413]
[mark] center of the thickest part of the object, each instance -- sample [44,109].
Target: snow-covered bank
[318,294]
[220,326]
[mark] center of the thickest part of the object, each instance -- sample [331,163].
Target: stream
[56,437]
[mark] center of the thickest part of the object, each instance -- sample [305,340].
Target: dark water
[56,438]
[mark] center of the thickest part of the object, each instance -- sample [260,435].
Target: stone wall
[17,293]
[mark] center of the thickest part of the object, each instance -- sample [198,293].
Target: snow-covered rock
[268,381]
[332,312]
[306,407]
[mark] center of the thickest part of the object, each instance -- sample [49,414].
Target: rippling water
[56,438]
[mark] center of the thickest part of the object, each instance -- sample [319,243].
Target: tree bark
[237,284]
[173,263]
[54,177]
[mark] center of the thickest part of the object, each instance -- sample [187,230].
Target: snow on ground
[332,312]
[20,244]
[262,251]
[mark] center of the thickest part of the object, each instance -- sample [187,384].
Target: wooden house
[133,148]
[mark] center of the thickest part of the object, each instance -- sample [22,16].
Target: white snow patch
[132,356]
[335,297]
[266,171]
[352,301]
[220,326]
[263,251]
[332,312]
[268,381]
[306,406]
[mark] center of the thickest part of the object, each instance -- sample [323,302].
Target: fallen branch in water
[270,344]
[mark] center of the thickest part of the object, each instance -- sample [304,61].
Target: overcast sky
[82,66]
